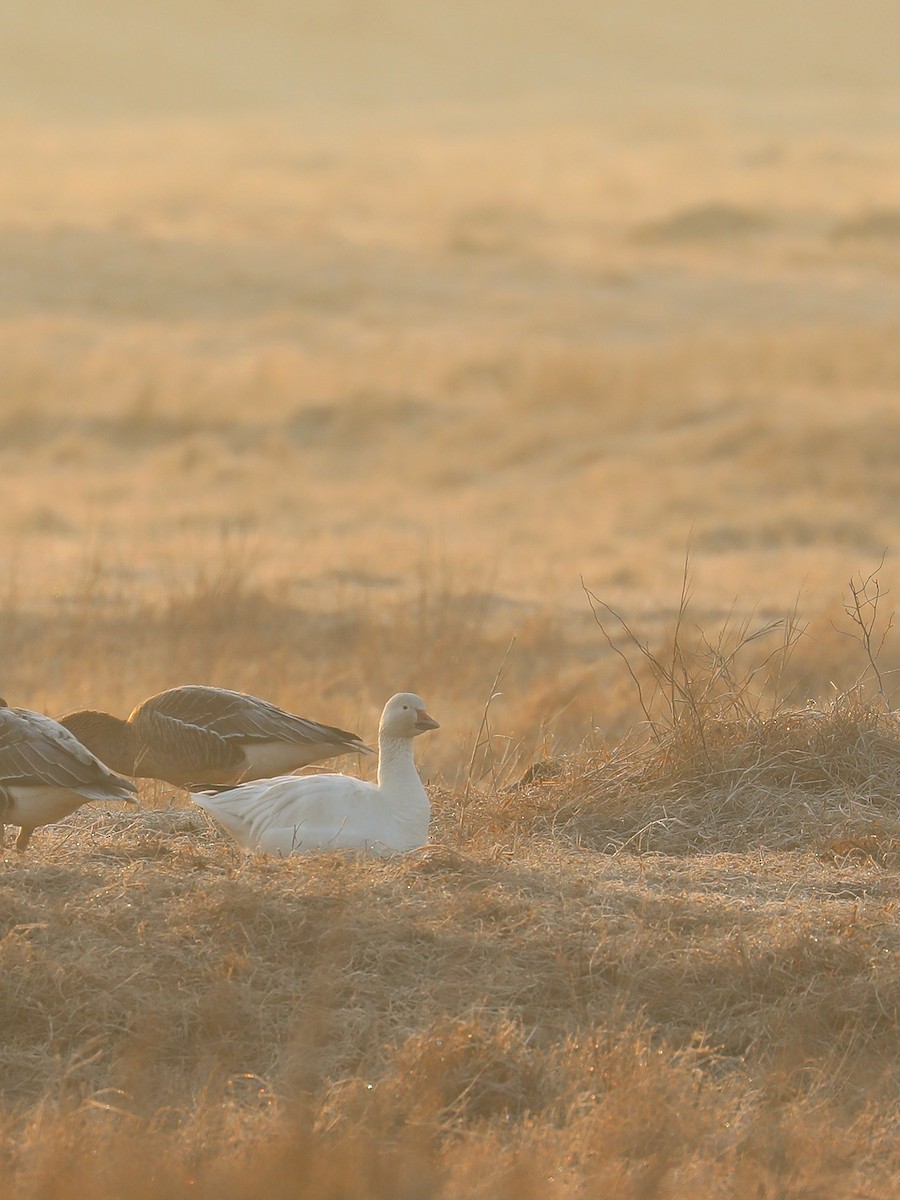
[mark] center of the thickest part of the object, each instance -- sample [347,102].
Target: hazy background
[356,305]
[795,63]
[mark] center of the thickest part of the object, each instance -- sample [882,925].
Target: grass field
[549,368]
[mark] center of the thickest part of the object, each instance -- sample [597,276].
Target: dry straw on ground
[321,403]
[664,968]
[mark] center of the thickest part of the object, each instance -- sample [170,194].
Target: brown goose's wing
[36,750]
[235,715]
[177,750]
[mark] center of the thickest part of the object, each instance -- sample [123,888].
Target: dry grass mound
[722,763]
[812,778]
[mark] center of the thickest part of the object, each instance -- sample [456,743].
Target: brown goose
[202,737]
[46,773]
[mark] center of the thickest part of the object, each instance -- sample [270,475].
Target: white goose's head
[404,716]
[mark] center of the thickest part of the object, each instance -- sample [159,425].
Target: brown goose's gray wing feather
[174,748]
[35,749]
[238,715]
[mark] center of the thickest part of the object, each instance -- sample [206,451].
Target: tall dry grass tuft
[724,760]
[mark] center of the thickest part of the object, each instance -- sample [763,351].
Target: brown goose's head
[107,737]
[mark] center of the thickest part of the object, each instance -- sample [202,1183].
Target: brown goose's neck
[109,738]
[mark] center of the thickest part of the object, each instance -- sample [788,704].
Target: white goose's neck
[402,792]
[396,765]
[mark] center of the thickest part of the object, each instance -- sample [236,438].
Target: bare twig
[484,737]
[862,608]
[699,679]
[596,603]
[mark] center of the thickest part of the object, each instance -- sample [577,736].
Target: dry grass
[321,406]
[667,969]
[665,1025]
[362,353]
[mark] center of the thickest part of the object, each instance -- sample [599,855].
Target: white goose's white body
[297,814]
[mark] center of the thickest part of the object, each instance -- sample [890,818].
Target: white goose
[46,773]
[203,737]
[296,814]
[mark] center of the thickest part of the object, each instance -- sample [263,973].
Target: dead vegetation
[724,759]
[667,967]
[577,1018]
[320,406]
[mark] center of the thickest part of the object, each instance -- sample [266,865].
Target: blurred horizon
[391,60]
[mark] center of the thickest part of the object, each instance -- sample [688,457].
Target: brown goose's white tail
[47,773]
